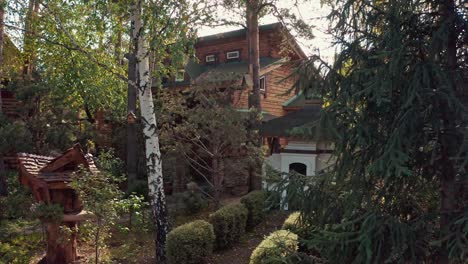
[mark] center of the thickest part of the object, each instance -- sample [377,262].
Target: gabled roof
[238,33]
[232,71]
[299,101]
[284,126]
[45,169]
[243,32]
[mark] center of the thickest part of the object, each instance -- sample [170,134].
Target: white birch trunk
[153,154]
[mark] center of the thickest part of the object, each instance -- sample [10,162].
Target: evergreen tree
[395,105]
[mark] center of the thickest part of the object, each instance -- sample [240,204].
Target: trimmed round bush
[229,224]
[293,224]
[275,248]
[255,204]
[190,243]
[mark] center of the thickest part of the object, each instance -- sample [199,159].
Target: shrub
[190,243]
[293,224]
[17,203]
[255,204]
[275,248]
[229,224]
[193,199]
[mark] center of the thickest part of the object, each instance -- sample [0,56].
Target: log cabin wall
[277,86]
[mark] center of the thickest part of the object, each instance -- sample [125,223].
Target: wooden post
[61,249]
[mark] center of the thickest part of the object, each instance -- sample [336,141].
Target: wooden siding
[276,89]
[269,46]
[10,105]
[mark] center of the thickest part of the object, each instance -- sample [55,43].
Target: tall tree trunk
[215,179]
[254,57]
[29,50]
[448,140]
[254,97]
[217,165]
[132,142]
[3,182]
[153,154]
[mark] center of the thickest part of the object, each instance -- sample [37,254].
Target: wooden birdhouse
[49,178]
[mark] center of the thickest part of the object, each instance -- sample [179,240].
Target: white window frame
[262,89]
[179,78]
[210,58]
[236,56]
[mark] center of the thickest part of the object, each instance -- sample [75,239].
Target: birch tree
[153,154]
[159,39]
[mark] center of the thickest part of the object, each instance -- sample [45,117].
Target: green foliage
[14,136]
[193,200]
[43,126]
[396,112]
[229,224]
[275,248]
[294,224]
[102,197]
[256,207]
[16,205]
[190,243]
[20,249]
[47,212]
[107,162]
[137,209]
[203,127]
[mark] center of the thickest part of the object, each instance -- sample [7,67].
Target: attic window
[232,55]
[180,76]
[210,58]
[262,84]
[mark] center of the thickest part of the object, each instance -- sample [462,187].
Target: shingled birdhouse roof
[55,172]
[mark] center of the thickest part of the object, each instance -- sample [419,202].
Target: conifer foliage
[396,100]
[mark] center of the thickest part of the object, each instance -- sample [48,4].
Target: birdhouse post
[49,178]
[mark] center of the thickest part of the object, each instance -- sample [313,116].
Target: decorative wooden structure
[49,179]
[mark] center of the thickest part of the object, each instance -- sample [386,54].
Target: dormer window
[210,58]
[233,55]
[180,76]
[262,84]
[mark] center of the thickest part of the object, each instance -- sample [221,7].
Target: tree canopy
[396,106]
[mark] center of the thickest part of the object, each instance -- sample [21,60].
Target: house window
[210,58]
[263,84]
[298,167]
[232,55]
[180,76]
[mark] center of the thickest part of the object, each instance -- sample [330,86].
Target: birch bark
[153,154]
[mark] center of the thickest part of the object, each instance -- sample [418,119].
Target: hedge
[190,243]
[275,248]
[229,224]
[293,224]
[255,204]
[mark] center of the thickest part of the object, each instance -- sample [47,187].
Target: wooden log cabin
[221,61]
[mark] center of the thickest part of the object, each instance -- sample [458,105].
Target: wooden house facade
[222,61]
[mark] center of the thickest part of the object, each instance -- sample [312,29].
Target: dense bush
[229,224]
[275,248]
[190,243]
[19,199]
[255,204]
[193,199]
[293,224]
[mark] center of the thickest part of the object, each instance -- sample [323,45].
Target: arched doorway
[298,167]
